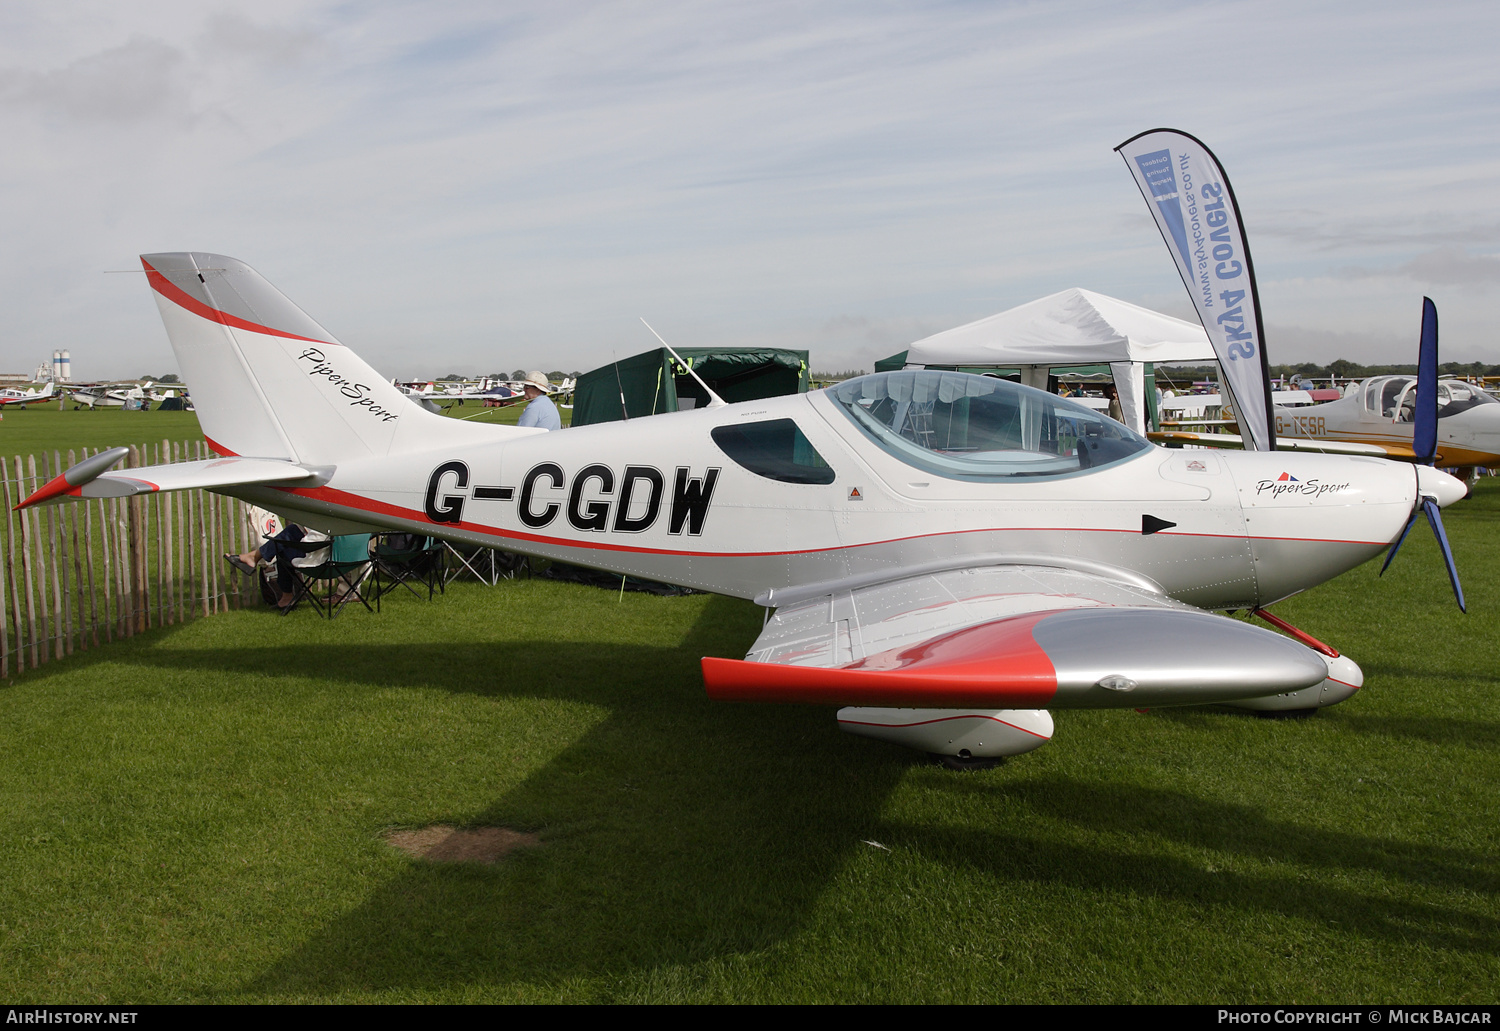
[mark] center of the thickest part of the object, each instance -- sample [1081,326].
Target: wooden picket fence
[81,574]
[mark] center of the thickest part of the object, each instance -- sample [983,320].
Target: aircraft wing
[1007,636]
[1169,404]
[1176,438]
[92,477]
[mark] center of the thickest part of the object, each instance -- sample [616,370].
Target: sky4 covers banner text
[1194,208]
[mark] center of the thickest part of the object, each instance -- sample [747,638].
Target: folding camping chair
[346,569]
[487,565]
[408,559]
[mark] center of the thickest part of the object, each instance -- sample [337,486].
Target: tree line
[1341,368]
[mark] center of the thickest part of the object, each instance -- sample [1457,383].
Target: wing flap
[1177,438]
[841,626]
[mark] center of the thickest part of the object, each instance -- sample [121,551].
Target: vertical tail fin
[267,380]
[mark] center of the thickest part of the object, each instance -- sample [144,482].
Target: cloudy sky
[471,187]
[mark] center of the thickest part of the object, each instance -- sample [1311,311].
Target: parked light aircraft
[947,556]
[484,390]
[10,396]
[1374,417]
[129,395]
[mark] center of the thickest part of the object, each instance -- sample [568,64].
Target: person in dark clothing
[295,544]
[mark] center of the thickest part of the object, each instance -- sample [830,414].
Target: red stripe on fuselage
[359,503]
[164,286]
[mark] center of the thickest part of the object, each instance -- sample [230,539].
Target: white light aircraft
[131,395]
[10,396]
[947,556]
[1377,416]
[1374,417]
[484,390]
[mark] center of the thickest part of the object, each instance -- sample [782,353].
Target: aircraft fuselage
[657,498]
[1379,411]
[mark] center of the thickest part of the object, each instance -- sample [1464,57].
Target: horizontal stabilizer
[91,478]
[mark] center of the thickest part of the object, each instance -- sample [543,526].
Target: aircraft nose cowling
[1312,517]
[1447,489]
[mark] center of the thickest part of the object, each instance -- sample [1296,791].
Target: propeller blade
[1424,432]
[1435,517]
[1397,546]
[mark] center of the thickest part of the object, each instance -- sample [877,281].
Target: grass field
[41,429]
[45,428]
[197,814]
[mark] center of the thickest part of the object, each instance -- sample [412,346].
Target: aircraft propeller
[1424,443]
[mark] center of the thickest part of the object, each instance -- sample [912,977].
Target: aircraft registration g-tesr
[947,556]
[1375,417]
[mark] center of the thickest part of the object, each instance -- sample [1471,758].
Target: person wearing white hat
[540,411]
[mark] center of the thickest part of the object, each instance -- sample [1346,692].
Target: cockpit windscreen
[979,428]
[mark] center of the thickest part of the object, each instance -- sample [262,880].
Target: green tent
[653,382]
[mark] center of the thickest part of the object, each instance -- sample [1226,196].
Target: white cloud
[510,186]
[137,80]
[1454,266]
[228,36]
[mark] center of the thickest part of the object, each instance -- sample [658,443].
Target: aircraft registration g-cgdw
[947,556]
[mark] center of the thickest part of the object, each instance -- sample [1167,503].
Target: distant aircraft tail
[269,382]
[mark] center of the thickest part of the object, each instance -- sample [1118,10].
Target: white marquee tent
[1073,327]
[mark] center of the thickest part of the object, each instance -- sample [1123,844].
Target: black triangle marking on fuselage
[1150,524]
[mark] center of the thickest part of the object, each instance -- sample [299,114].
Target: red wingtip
[54,487]
[996,664]
[734,680]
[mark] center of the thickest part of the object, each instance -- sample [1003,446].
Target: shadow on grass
[678,829]
[1136,867]
[1381,672]
[1433,730]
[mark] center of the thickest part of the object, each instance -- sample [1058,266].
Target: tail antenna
[714,400]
